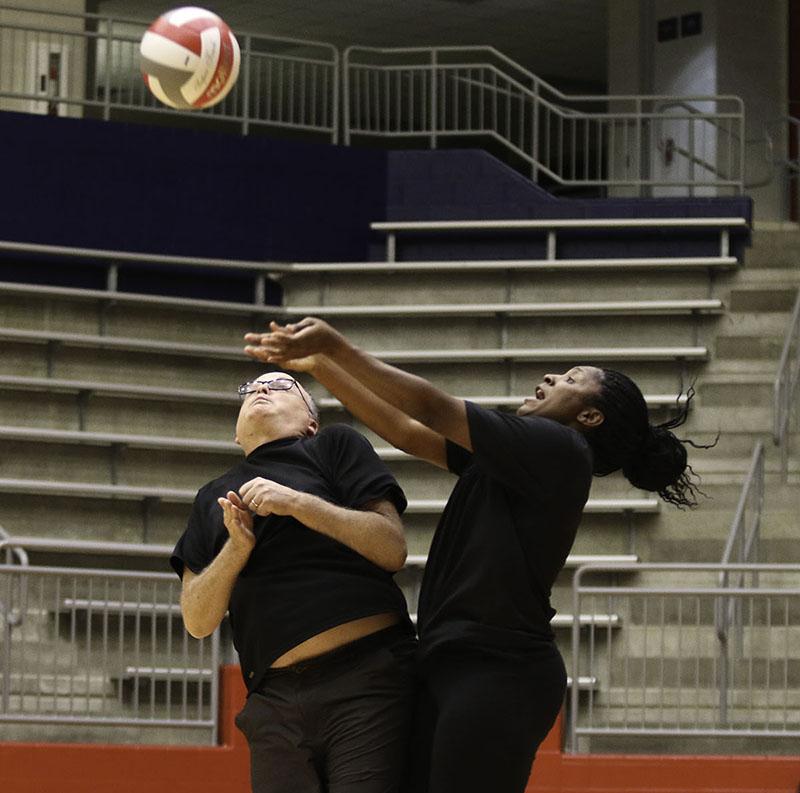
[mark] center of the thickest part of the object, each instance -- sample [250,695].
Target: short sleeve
[200,542]
[356,472]
[531,455]
[458,458]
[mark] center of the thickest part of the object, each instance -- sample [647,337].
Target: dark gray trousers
[339,723]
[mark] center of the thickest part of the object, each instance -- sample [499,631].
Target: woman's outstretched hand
[294,346]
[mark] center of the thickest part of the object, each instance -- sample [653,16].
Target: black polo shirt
[297,582]
[505,533]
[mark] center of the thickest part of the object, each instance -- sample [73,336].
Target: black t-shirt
[297,582]
[505,533]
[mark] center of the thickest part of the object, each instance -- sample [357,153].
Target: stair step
[778,299]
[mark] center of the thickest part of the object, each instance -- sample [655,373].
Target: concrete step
[155,323]
[104,733]
[735,389]
[71,316]
[739,347]
[56,689]
[777,299]
[760,275]
[489,378]
[722,742]
[632,672]
[725,367]
[754,323]
[774,249]
[422,288]
[682,703]
[477,332]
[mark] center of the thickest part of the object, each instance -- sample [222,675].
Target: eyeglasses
[277,384]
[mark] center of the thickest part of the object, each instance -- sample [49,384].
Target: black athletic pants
[339,723]
[480,719]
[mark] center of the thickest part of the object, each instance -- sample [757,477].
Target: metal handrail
[262,271]
[690,156]
[107,602]
[140,257]
[535,79]
[92,547]
[312,96]
[526,91]
[742,543]
[738,533]
[309,103]
[13,551]
[19,546]
[785,386]
[721,591]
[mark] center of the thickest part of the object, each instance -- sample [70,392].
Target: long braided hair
[651,456]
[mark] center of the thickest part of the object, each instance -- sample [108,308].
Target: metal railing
[575,141]
[657,674]
[88,64]
[113,260]
[100,647]
[785,387]
[59,62]
[783,160]
[741,547]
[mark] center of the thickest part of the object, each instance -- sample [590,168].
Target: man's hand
[238,521]
[294,346]
[265,497]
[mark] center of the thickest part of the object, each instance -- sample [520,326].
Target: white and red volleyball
[189,58]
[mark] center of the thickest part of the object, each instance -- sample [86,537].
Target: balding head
[269,413]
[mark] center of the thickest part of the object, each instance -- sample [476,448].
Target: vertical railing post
[433,99]
[346,97]
[335,100]
[6,617]
[692,158]
[639,148]
[741,150]
[723,681]
[107,87]
[572,747]
[535,133]
[215,673]
[248,43]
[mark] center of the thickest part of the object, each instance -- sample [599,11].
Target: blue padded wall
[165,190]
[177,191]
[466,184]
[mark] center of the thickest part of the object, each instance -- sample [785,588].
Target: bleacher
[137,397]
[119,402]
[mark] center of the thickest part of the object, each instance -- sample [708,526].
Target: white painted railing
[786,383]
[643,142]
[657,675]
[67,64]
[88,65]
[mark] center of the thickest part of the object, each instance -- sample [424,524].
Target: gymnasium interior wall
[741,49]
[35,52]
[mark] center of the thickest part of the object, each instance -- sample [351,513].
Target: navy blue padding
[469,184]
[133,187]
[153,189]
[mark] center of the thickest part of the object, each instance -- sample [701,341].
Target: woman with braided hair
[650,456]
[492,680]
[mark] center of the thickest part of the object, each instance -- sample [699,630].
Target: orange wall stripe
[101,768]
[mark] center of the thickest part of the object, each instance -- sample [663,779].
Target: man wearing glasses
[298,542]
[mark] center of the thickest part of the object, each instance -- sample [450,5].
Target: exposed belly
[336,637]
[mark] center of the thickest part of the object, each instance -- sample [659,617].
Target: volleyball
[189,58]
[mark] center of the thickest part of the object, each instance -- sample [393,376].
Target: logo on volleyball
[189,58]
